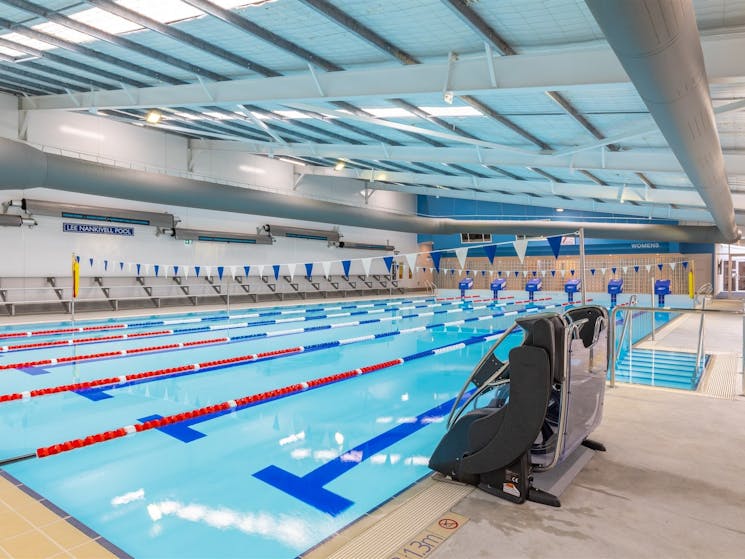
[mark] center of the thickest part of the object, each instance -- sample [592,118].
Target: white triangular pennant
[543,273]
[525,273]
[562,272]
[602,270]
[521,247]
[411,260]
[232,271]
[366,263]
[491,272]
[291,268]
[648,267]
[186,271]
[672,265]
[261,270]
[625,269]
[326,269]
[208,271]
[461,253]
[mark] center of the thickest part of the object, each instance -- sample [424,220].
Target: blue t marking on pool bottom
[34,371]
[182,430]
[309,488]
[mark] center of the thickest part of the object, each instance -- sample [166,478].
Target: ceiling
[478,99]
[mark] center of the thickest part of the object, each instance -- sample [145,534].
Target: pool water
[270,480]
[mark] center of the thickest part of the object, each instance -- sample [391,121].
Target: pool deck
[670,485]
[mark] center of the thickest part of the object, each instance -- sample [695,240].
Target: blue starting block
[571,287]
[533,285]
[465,283]
[498,285]
[661,288]
[615,286]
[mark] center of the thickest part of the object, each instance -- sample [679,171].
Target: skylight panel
[28,41]
[11,52]
[51,28]
[105,21]
[164,11]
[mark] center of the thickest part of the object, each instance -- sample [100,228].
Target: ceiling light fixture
[339,165]
[559,209]
[153,116]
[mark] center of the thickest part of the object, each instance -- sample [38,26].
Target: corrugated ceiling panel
[423,28]
[298,23]
[539,23]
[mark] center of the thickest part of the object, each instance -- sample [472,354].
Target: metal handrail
[612,329]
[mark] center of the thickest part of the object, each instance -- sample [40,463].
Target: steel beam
[525,72]
[475,22]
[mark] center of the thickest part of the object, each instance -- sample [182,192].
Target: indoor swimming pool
[308,417]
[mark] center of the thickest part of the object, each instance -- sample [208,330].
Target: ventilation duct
[95,213]
[220,237]
[659,46]
[26,167]
[15,221]
[365,246]
[302,233]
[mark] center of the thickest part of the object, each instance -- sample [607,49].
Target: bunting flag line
[461,254]
[555,243]
[490,251]
[521,247]
[436,259]
[388,263]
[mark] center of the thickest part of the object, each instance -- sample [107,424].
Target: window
[475,237]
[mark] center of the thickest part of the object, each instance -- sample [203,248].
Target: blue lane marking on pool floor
[182,430]
[34,371]
[94,394]
[310,487]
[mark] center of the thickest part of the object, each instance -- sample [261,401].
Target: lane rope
[170,372]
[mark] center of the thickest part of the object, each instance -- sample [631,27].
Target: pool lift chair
[518,429]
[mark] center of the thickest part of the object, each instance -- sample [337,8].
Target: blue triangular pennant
[156,267]
[246,269]
[196,270]
[516,272]
[592,271]
[220,271]
[685,264]
[435,259]
[636,269]
[138,269]
[309,269]
[468,272]
[106,265]
[490,251]
[553,273]
[78,259]
[535,273]
[389,261]
[90,261]
[613,270]
[483,272]
[276,271]
[121,265]
[346,264]
[499,274]
[175,270]
[659,267]
[571,272]
[555,243]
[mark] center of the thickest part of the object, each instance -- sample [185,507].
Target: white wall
[45,249]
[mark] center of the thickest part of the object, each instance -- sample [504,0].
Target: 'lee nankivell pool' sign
[98,229]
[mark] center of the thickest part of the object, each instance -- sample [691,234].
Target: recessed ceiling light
[559,209]
[153,117]
[339,165]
